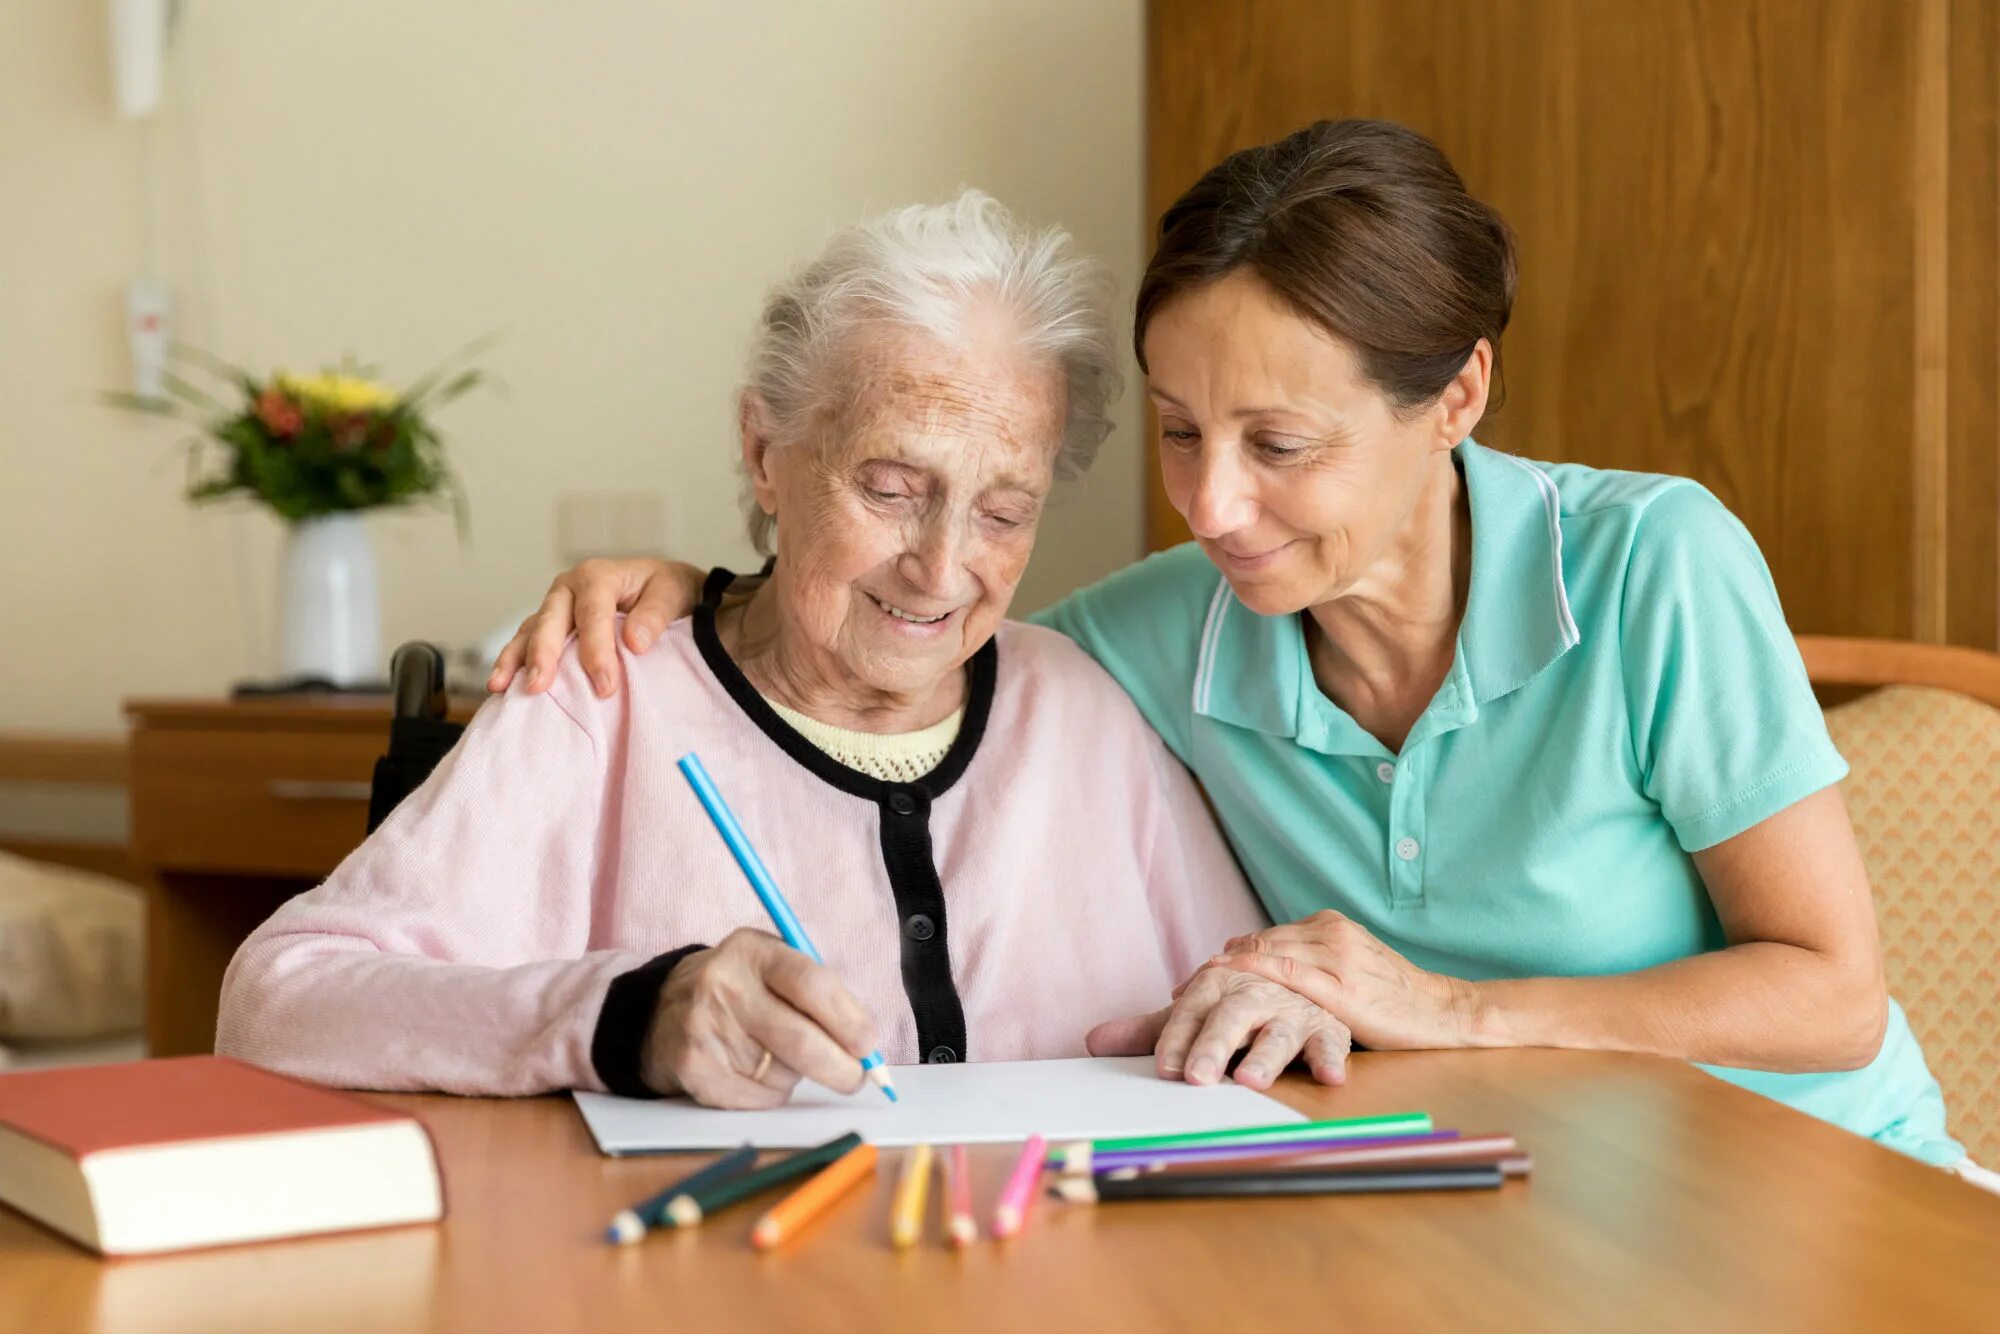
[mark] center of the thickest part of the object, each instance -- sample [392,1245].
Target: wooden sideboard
[236,806]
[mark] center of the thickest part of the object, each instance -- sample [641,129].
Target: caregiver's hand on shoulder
[1214,1015]
[653,594]
[1385,1000]
[722,1009]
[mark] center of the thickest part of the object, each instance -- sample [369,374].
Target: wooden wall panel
[1972,533]
[1758,248]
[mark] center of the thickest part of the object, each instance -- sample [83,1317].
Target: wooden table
[1662,1199]
[236,806]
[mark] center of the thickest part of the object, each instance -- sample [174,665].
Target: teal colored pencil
[1407,1123]
[688,1209]
[760,880]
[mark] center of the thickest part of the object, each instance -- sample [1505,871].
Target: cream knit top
[892,757]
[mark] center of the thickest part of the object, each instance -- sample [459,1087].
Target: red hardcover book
[205,1151]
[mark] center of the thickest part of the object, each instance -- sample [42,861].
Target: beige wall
[611,183]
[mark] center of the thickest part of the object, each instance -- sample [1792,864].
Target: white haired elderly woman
[991,848]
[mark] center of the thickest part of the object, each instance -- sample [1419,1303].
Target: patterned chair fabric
[1925,797]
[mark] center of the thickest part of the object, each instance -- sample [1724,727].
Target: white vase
[332,612]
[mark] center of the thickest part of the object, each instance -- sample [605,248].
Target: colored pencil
[1408,1123]
[1477,1151]
[1011,1213]
[1170,1185]
[1204,1153]
[961,1228]
[906,1214]
[767,890]
[689,1208]
[631,1224]
[802,1206]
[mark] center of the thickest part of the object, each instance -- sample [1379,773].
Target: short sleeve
[1725,727]
[1143,625]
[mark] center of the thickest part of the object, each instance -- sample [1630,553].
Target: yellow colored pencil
[811,1200]
[906,1214]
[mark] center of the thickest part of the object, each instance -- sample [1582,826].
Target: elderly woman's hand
[723,1009]
[653,594]
[1214,1015]
[1385,1000]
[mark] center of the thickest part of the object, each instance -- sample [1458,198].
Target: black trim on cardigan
[625,1020]
[905,832]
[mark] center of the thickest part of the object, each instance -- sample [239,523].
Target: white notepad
[983,1103]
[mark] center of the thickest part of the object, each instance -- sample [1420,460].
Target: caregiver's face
[903,532]
[1295,474]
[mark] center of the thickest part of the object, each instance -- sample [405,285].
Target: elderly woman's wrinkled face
[904,529]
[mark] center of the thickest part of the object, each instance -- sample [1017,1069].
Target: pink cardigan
[469,945]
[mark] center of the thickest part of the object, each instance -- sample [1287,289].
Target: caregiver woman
[1523,753]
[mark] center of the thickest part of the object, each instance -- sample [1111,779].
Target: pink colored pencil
[960,1227]
[1011,1213]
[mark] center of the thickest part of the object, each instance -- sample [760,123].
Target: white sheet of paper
[981,1103]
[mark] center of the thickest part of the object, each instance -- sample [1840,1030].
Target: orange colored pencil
[814,1198]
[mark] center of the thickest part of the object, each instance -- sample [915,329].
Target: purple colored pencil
[1222,1153]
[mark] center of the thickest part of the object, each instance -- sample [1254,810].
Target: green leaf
[189,392]
[214,365]
[420,389]
[455,386]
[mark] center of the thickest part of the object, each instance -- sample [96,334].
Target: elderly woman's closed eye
[933,785]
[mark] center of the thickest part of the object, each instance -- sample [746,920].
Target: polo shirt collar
[1251,668]
[1252,671]
[1517,612]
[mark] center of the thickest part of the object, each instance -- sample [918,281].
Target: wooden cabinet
[236,806]
[1760,245]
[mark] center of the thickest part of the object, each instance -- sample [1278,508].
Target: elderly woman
[1522,754]
[990,847]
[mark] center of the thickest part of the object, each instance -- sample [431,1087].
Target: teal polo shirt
[1625,692]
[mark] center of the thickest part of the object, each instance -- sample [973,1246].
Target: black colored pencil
[689,1208]
[1104,1190]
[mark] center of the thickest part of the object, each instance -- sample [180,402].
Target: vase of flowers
[318,451]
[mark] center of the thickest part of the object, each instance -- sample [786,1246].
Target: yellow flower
[335,394]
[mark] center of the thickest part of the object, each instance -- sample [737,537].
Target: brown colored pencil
[1479,1151]
[1171,1185]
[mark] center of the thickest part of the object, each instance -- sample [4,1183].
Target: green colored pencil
[1405,1123]
[688,1209]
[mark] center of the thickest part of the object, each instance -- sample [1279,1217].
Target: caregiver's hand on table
[1385,1000]
[723,1009]
[1214,1015]
[653,594]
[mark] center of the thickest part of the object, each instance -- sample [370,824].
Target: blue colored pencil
[767,890]
[631,1224]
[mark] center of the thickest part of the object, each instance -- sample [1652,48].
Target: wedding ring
[763,1068]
